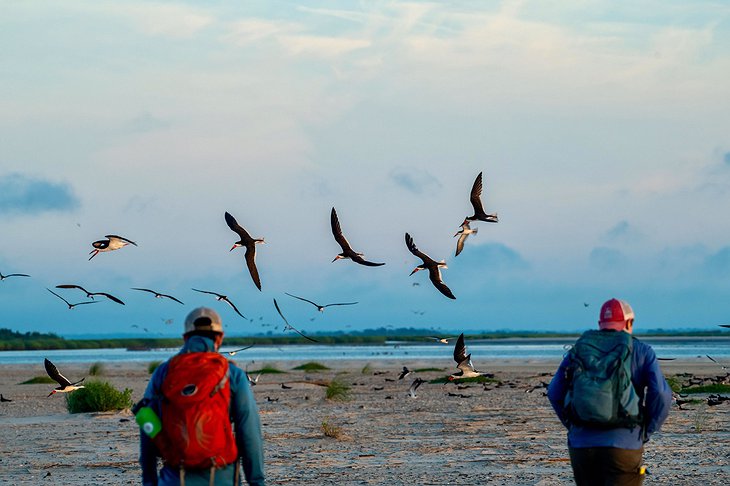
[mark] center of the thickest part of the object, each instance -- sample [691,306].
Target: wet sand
[502,435]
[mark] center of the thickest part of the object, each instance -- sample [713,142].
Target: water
[520,349]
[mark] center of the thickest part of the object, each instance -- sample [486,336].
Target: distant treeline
[16,341]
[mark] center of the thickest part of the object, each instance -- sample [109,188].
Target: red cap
[614,314]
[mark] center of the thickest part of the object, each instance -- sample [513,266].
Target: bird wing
[251,264]
[239,350]
[120,238]
[109,296]
[207,292]
[340,303]
[337,233]
[55,374]
[89,302]
[71,286]
[414,386]
[724,325]
[17,275]
[358,259]
[460,349]
[54,293]
[233,306]
[435,275]
[305,300]
[146,290]
[413,249]
[237,228]
[476,194]
[290,326]
[172,298]
[460,243]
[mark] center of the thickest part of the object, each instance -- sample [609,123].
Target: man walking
[197,394]
[611,395]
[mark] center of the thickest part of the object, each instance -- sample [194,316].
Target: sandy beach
[499,434]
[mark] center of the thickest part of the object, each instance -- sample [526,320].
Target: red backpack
[196,425]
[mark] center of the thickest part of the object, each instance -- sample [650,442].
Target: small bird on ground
[289,326]
[347,251]
[65,385]
[90,295]
[476,202]
[3,277]
[463,233]
[249,243]
[433,267]
[463,362]
[221,298]
[70,305]
[414,386]
[234,352]
[112,242]
[269,399]
[159,295]
[404,373]
[285,387]
[319,307]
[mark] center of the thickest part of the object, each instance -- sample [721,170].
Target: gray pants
[606,466]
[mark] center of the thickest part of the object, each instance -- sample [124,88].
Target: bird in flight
[463,362]
[463,233]
[440,340]
[3,277]
[716,362]
[70,305]
[159,295]
[347,251]
[64,384]
[289,326]
[112,242]
[90,295]
[249,243]
[319,307]
[222,298]
[433,267]
[724,325]
[404,373]
[414,386]
[233,353]
[476,202]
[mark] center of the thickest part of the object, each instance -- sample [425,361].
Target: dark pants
[606,466]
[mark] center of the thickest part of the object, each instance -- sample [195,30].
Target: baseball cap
[614,314]
[203,319]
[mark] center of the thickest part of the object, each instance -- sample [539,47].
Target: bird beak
[457,234]
[414,271]
[451,378]
[93,253]
[336,258]
[54,391]
[232,248]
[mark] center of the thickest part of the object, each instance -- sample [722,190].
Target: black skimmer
[416,383]
[65,385]
[112,242]
[285,387]
[319,307]
[3,277]
[586,304]
[159,295]
[404,373]
[70,305]
[463,362]
[463,233]
[233,353]
[222,298]
[90,295]
[476,202]
[3,399]
[716,362]
[249,243]
[459,395]
[252,381]
[269,399]
[433,267]
[289,326]
[724,325]
[440,340]
[347,251]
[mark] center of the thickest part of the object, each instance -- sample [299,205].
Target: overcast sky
[602,129]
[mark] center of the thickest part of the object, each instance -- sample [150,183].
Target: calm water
[527,349]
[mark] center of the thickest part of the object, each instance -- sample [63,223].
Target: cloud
[145,122]
[607,258]
[23,194]
[417,181]
[625,231]
[718,263]
[494,256]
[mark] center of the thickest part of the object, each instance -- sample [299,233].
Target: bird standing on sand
[249,243]
[289,326]
[463,233]
[65,385]
[159,295]
[3,277]
[347,251]
[433,267]
[319,307]
[416,383]
[90,295]
[112,242]
[476,202]
[221,298]
[463,362]
[70,305]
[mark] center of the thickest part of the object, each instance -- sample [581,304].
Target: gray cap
[203,319]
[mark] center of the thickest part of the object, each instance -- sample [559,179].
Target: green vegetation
[267,370]
[330,430]
[311,366]
[700,420]
[476,379]
[336,390]
[98,396]
[152,366]
[97,369]
[37,380]
[674,383]
[716,388]
[424,370]
[367,369]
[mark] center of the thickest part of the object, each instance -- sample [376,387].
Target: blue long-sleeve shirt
[246,424]
[650,385]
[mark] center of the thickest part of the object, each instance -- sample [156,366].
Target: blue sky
[601,128]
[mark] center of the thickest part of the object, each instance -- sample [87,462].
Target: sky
[602,129]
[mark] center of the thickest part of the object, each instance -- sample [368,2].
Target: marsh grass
[336,390]
[98,396]
[152,366]
[311,366]
[700,420]
[674,383]
[716,388]
[330,430]
[97,369]
[267,370]
[37,380]
[426,370]
[367,369]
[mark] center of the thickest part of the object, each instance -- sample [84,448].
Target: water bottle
[148,421]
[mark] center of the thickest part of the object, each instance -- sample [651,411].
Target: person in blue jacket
[613,456]
[204,333]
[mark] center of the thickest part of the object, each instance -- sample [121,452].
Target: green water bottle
[148,421]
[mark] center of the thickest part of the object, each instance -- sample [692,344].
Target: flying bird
[65,385]
[433,267]
[233,353]
[439,339]
[724,325]
[90,295]
[252,381]
[289,326]
[404,373]
[70,305]
[463,362]
[416,383]
[159,295]
[112,242]
[716,362]
[249,243]
[222,298]
[3,277]
[319,307]
[463,233]
[476,202]
[347,251]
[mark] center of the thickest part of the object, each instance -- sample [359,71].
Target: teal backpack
[600,392]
